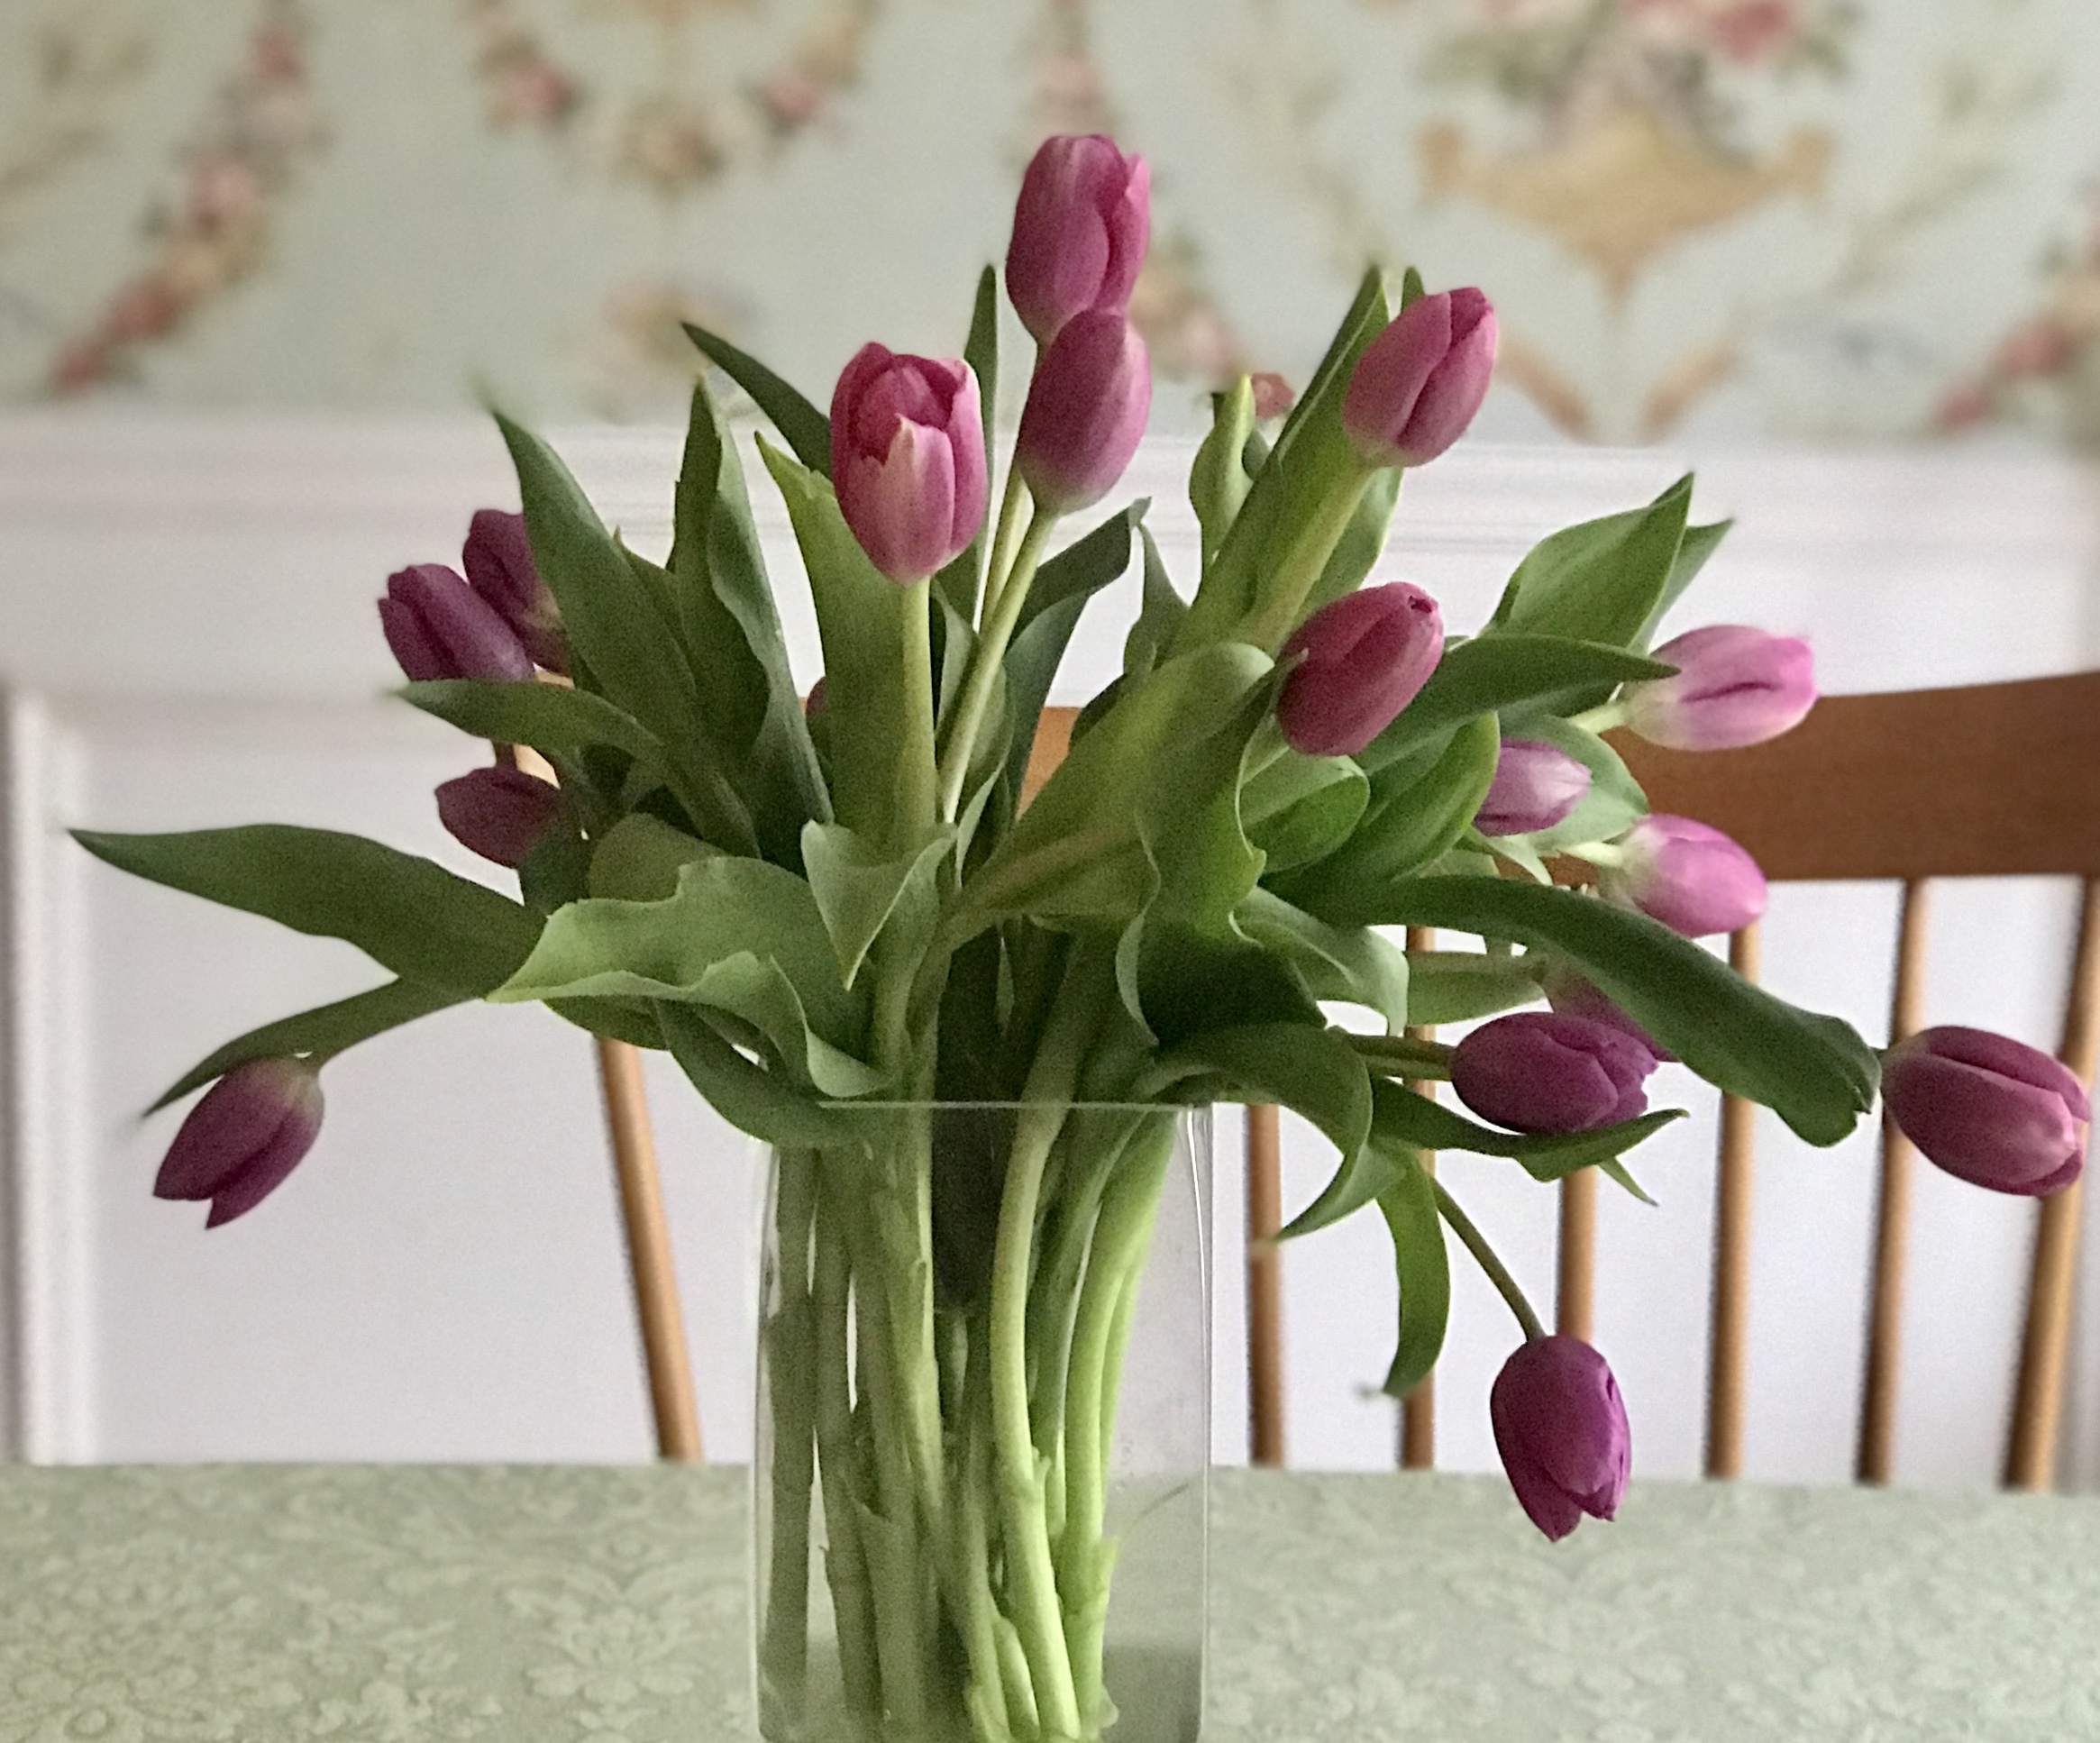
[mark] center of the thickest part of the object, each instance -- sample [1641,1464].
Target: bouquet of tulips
[845,903]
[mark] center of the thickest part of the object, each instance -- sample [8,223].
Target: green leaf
[631,1021]
[1178,982]
[1219,478]
[1423,1265]
[958,584]
[1455,986]
[1301,808]
[1311,1070]
[1813,1071]
[639,859]
[1602,581]
[550,717]
[407,913]
[859,892]
[1350,964]
[1700,543]
[322,1032]
[805,429]
[1159,615]
[748,1096]
[1407,1120]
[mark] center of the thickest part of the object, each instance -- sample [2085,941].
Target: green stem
[1293,576]
[1002,543]
[1601,718]
[1497,1274]
[986,660]
[844,1562]
[791,1366]
[1419,1057]
[917,779]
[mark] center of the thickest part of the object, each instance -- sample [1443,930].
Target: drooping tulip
[1734,685]
[236,1147]
[1689,876]
[1560,1427]
[439,627]
[499,813]
[1360,661]
[1086,411]
[1080,231]
[1988,1110]
[1417,385]
[1543,1071]
[907,459]
[498,559]
[1536,786]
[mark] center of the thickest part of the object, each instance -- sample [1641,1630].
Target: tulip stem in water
[1497,1272]
[986,662]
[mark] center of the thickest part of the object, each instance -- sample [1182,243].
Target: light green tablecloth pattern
[608,1606]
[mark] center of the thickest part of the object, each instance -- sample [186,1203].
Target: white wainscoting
[187,633]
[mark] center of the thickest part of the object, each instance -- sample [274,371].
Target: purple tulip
[1570,995]
[1359,663]
[907,459]
[1080,231]
[1086,410]
[1692,877]
[1541,1072]
[1561,1429]
[500,813]
[1536,786]
[440,627]
[1419,382]
[1987,1109]
[1734,685]
[498,561]
[249,1131]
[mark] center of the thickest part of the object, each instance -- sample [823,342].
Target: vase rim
[984,1106]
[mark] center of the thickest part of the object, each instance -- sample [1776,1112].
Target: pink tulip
[1360,661]
[1418,384]
[1987,1109]
[1561,1429]
[250,1130]
[907,459]
[498,560]
[1536,786]
[1733,686]
[1692,877]
[439,627]
[1570,995]
[1086,410]
[1541,1072]
[499,813]
[1080,231]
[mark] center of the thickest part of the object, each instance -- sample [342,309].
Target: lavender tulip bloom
[239,1143]
[1360,661]
[440,627]
[1079,232]
[1086,410]
[499,813]
[1536,786]
[1692,877]
[907,459]
[1561,1429]
[498,560]
[1734,685]
[1419,383]
[1541,1072]
[1987,1109]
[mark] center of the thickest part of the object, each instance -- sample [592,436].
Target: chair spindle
[1265,1287]
[1734,1191]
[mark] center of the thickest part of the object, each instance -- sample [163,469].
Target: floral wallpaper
[1853,220]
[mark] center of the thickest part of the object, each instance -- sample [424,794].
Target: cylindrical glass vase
[983,1427]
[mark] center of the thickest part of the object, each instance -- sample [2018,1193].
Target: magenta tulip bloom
[499,813]
[907,459]
[440,627]
[1541,1072]
[1987,1109]
[1080,231]
[1571,994]
[1536,786]
[238,1143]
[1734,685]
[1360,661]
[1561,1429]
[1086,410]
[1419,382]
[498,561]
[1692,877]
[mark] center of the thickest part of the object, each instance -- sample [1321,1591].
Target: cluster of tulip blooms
[812,905]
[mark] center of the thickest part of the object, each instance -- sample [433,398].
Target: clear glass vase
[983,1427]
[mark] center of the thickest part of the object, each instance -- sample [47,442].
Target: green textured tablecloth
[607,1606]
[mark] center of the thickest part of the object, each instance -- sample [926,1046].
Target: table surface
[608,1606]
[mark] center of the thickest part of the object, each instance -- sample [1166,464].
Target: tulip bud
[907,459]
[1080,231]
[1419,383]
[1359,663]
[1273,396]
[500,813]
[439,627]
[498,561]
[1733,686]
[1086,410]
[1540,1072]
[1536,786]
[249,1131]
[1570,995]
[1987,1109]
[1692,879]
[1561,1429]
